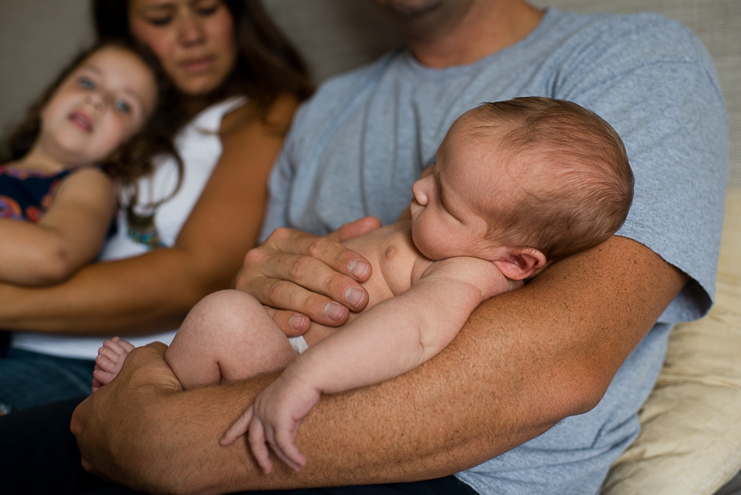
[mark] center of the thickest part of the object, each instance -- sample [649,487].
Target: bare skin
[433,421]
[195,44]
[154,291]
[524,361]
[103,101]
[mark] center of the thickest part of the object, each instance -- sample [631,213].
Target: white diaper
[298,343]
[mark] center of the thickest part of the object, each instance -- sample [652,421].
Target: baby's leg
[110,358]
[227,336]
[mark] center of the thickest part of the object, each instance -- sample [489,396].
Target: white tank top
[200,149]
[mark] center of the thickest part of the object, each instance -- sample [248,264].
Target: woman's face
[193,40]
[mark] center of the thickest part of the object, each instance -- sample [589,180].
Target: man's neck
[489,27]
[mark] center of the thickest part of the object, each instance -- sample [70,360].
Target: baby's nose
[419,192]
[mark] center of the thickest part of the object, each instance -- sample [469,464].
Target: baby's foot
[110,358]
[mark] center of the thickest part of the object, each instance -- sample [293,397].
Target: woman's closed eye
[206,8]
[160,20]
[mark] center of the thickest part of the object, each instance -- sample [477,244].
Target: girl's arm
[154,291]
[69,235]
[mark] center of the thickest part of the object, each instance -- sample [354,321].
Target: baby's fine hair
[583,186]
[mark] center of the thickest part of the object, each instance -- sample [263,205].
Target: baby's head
[523,183]
[103,98]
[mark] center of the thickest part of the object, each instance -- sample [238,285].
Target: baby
[54,184]
[517,185]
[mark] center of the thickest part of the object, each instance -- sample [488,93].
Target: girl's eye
[123,106]
[85,83]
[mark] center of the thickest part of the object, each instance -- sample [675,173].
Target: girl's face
[100,105]
[193,40]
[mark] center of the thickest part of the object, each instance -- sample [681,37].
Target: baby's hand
[110,359]
[274,419]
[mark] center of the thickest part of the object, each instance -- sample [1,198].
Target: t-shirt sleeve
[279,184]
[656,84]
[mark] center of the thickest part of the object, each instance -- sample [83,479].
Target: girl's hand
[301,277]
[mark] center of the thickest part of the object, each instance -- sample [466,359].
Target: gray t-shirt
[358,145]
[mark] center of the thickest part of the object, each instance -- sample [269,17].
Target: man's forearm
[524,361]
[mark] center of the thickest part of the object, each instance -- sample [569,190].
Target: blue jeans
[29,379]
[39,455]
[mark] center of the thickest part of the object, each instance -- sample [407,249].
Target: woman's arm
[523,361]
[154,291]
[69,235]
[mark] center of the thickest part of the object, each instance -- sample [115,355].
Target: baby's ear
[521,263]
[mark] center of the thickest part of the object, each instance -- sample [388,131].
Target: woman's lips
[197,65]
[82,121]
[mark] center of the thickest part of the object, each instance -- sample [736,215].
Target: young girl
[64,160]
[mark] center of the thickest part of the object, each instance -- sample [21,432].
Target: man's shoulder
[647,32]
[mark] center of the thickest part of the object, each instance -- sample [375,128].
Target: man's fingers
[307,286]
[291,323]
[307,275]
[318,307]
[355,229]
[285,246]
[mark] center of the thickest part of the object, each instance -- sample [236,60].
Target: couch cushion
[690,441]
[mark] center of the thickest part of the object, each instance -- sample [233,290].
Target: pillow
[690,441]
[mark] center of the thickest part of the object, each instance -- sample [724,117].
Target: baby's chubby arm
[388,340]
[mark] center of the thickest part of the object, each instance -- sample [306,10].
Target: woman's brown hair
[267,64]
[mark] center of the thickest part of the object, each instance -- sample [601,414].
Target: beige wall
[37,38]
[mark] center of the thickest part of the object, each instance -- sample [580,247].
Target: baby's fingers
[287,451]
[238,428]
[256,438]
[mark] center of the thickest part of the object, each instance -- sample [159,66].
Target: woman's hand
[298,275]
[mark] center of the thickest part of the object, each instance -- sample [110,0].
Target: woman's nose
[190,30]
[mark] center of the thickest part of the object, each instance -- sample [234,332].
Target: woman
[184,230]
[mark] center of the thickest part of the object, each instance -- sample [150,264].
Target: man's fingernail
[334,311]
[297,322]
[354,296]
[358,268]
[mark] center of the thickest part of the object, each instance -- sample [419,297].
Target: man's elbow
[577,393]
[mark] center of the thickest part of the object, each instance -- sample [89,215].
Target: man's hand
[298,275]
[143,367]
